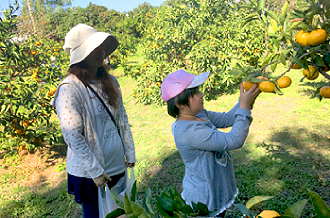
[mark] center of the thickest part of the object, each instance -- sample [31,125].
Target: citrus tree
[300,37]
[29,73]
[197,36]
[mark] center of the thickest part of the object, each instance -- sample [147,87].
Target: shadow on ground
[311,87]
[294,160]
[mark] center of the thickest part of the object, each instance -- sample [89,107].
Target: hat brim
[108,42]
[198,80]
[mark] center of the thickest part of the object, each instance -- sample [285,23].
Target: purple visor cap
[180,80]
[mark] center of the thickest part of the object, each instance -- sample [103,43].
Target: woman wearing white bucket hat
[92,118]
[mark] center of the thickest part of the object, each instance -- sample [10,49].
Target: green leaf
[187,209]
[294,25]
[264,20]
[296,209]
[274,16]
[272,28]
[147,202]
[277,90]
[257,200]
[284,9]
[276,43]
[261,6]
[319,61]
[282,58]
[163,212]
[249,20]
[202,208]
[247,78]
[119,202]
[256,80]
[298,61]
[274,65]
[213,213]
[127,205]
[326,57]
[116,213]
[251,16]
[139,211]
[321,209]
[267,59]
[133,192]
[243,209]
[274,35]
[166,202]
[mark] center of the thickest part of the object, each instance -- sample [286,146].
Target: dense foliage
[29,72]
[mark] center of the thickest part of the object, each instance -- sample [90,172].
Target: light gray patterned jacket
[84,155]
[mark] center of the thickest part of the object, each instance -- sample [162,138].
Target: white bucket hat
[82,39]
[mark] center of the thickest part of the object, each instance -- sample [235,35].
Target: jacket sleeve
[70,112]
[125,130]
[223,120]
[205,137]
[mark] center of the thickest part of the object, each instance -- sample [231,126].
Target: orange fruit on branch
[268,214]
[325,91]
[312,73]
[263,78]
[294,66]
[26,123]
[317,37]
[267,86]
[283,82]
[248,85]
[302,38]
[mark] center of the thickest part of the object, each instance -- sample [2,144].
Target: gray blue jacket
[209,175]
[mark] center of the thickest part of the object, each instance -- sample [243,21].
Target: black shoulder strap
[106,108]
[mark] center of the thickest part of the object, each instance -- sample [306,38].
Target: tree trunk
[31,15]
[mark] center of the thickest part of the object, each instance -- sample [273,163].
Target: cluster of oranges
[313,38]
[51,92]
[268,86]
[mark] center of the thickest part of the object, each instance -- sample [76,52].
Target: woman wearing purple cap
[209,175]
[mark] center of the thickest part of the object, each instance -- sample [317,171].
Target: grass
[286,152]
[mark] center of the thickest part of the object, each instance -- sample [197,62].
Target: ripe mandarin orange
[302,38]
[325,91]
[261,77]
[294,66]
[312,73]
[317,37]
[248,85]
[283,82]
[267,86]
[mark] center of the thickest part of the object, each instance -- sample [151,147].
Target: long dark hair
[108,86]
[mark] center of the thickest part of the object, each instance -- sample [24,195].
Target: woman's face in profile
[95,58]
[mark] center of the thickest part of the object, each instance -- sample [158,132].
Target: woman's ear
[180,106]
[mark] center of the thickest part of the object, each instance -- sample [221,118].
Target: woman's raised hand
[247,98]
